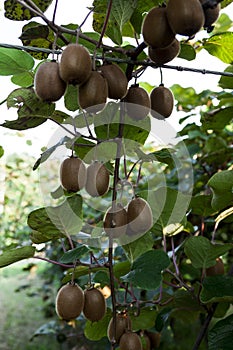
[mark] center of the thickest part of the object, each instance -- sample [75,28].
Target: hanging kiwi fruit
[186,17]
[115,221]
[48,84]
[73,174]
[75,64]
[123,323]
[217,269]
[162,102]
[116,80]
[130,341]
[156,30]
[97,183]
[94,307]
[211,14]
[140,218]
[162,55]
[93,93]
[138,102]
[69,301]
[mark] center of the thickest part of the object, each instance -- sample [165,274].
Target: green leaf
[187,52]
[74,254]
[55,222]
[221,185]
[217,120]
[102,277]
[220,46]
[98,330]
[146,271]
[13,255]
[217,289]
[17,12]
[1,151]
[201,205]
[23,123]
[14,61]
[221,334]
[141,245]
[71,98]
[24,79]
[227,82]
[146,319]
[203,253]
[121,268]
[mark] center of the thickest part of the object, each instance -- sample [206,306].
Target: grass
[21,311]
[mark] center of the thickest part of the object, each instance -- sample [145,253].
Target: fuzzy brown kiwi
[93,93]
[165,54]
[162,102]
[130,341]
[97,183]
[156,30]
[75,64]
[211,14]
[155,339]
[123,323]
[140,218]
[48,84]
[94,305]
[217,269]
[186,17]
[116,79]
[145,340]
[137,102]
[69,302]
[115,221]
[73,174]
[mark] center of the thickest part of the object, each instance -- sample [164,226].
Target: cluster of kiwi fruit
[183,17]
[75,67]
[72,300]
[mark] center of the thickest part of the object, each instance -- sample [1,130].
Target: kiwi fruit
[155,339]
[137,102]
[217,269]
[211,14]
[156,30]
[116,79]
[140,218]
[165,54]
[48,84]
[186,17]
[94,305]
[130,341]
[115,221]
[162,102]
[145,340]
[93,93]
[123,323]
[75,64]
[73,174]
[97,183]
[69,301]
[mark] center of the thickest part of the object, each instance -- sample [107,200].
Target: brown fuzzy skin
[75,64]
[217,269]
[138,102]
[186,17]
[69,302]
[73,174]
[93,93]
[130,341]
[116,79]
[156,30]
[115,222]
[162,102]
[165,54]
[94,305]
[211,14]
[140,218]
[123,323]
[48,84]
[97,183]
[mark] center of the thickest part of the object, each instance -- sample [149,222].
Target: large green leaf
[217,289]
[74,254]
[24,79]
[220,46]
[221,334]
[14,61]
[146,270]
[97,330]
[221,185]
[227,82]
[217,120]
[23,123]
[203,253]
[145,320]
[17,12]
[136,248]
[13,255]
[201,205]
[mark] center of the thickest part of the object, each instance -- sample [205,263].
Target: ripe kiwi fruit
[165,54]
[217,269]
[145,340]
[140,218]
[48,84]
[69,302]
[156,30]
[116,79]
[186,17]
[130,341]
[211,14]
[162,102]
[115,221]
[155,339]
[94,305]
[75,64]
[93,93]
[123,323]
[97,183]
[138,102]
[73,174]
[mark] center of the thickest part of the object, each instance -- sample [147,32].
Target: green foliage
[17,12]
[13,61]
